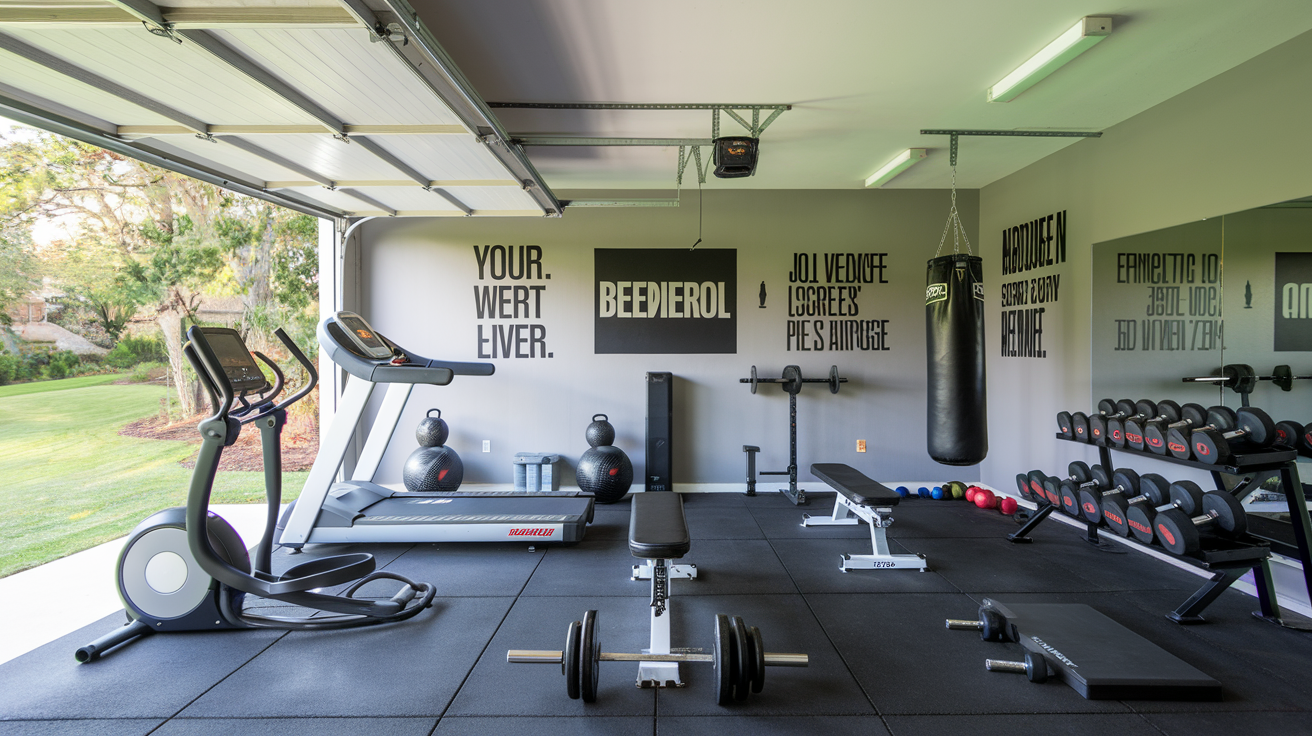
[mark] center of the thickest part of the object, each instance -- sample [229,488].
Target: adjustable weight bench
[861,499]
[658,533]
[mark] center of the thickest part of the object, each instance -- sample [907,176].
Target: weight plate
[1257,423]
[1187,496]
[1080,426]
[1141,526]
[723,680]
[1287,433]
[1070,498]
[1113,512]
[1098,429]
[1154,437]
[833,379]
[741,670]
[1125,407]
[757,659]
[1134,433]
[993,625]
[1195,414]
[1126,481]
[1100,476]
[1176,532]
[755,380]
[1090,505]
[1106,406]
[1023,486]
[1145,409]
[1036,667]
[1052,490]
[589,658]
[1168,410]
[1064,425]
[1079,471]
[792,380]
[1208,446]
[569,664]
[1222,417]
[1156,488]
[1036,478]
[1116,432]
[1230,516]
[1177,443]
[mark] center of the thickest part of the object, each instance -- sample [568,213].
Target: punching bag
[954,341]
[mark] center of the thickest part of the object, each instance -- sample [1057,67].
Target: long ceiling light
[900,163]
[1075,41]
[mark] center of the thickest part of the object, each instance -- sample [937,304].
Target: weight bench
[658,533]
[860,498]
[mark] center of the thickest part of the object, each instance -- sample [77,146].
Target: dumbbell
[1035,667]
[992,625]
[1125,483]
[1143,409]
[1218,417]
[1097,423]
[1180,534]
[1076,426]
[1167,411]
[1288,434]
[1155,431]
[1185,496]
[1153,491]
[1253,426]
[1065,493]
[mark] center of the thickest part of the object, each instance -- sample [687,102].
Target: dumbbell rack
[1228,559]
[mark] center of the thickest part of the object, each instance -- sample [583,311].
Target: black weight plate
[1052,490]
[755,380]
[1091,505]
[1176,532]
[1222,417]
[569,664]
[1257,423]
[792,379]
[1154,437]
[1113,512]
[1177,443]
[1036,478]
[589,658]
[1036,667]
[1139,518]
[833,379]
[1098,429]
[1230,516]
[1116,432]
[1100,476]
[1209,446]
[1023,486]
[1187,496]
[993,625]
[1079,472]
[1125,408]
[742,666]
[1168,410]
[1287,433]
[1134,433]
[1064,424]
[1126,480]
[723,657]
[1156,488]
[1080,425]
[758,658]
[1070,498]
[1195,414]
[1106,406]
[1145,409]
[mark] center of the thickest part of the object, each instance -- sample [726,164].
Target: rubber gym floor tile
[770,725]
[745,566]
[469,569]
[609,522]
[296,726]
[997,566]
[545,726]
[720,522]
[727,500]
[1120,567]
[825,687]
[1068,724]
[154,677]
[1246,680]
[497,688]
[1193,724]
[768,497]
[80,727]
[814,567]
[896,644]
[409,669]
[787,524]
[588,569]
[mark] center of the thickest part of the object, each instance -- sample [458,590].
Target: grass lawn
[71,482]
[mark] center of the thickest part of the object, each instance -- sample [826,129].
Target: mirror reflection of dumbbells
[1178,523]
[1212,442]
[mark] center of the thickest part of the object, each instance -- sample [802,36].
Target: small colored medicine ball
[600,432]
[606,472]
[432,430]
[433,469]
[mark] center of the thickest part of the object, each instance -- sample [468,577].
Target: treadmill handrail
[405,366]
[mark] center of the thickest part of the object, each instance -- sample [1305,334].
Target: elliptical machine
[173,577]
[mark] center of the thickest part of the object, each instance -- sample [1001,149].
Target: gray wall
[1234,142]
[418,282]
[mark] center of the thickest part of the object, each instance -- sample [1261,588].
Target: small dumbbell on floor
[991,624]
[1034,666]
[739,658]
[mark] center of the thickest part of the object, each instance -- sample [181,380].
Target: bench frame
[849,513]
[660,572]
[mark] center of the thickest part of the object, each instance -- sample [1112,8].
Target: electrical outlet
[487,445]
[860,445]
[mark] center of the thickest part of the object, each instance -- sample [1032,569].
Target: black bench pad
[852,483]
[657,527]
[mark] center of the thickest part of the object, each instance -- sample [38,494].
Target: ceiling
[349,108]
[863,76]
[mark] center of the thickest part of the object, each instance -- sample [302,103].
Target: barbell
[792,379]
[740,658]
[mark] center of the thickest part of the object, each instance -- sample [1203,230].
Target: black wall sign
[666,300]
[1293,301]
[1039,243]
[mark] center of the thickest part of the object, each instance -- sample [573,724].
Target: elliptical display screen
[235,359]
[363,337]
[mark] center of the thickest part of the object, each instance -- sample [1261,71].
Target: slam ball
[600,432]
[605,472]
[433,469]
[432,431]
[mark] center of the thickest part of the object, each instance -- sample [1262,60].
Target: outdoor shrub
[133,350]
[62,364]
[8,368]
[141,373]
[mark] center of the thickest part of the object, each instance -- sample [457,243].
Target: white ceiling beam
[179,18]
[447,213]
[367,183]
[161,130]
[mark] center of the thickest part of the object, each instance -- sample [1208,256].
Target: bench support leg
[660,572]
[847,513]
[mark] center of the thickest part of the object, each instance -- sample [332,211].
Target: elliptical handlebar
[219,383]
[313,375]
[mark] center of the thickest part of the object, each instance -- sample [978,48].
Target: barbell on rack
[1243,379]
[792,379]
[740,658]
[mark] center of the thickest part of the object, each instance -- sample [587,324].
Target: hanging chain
[954,224]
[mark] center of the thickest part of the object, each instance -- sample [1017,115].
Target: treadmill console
[236,360]
[364,340]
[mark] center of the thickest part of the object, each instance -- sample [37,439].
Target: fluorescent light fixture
[1072,43]
[900,163]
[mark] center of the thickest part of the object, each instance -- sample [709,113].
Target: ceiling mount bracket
[1007,133]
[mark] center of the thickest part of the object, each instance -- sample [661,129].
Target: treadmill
[359,510]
